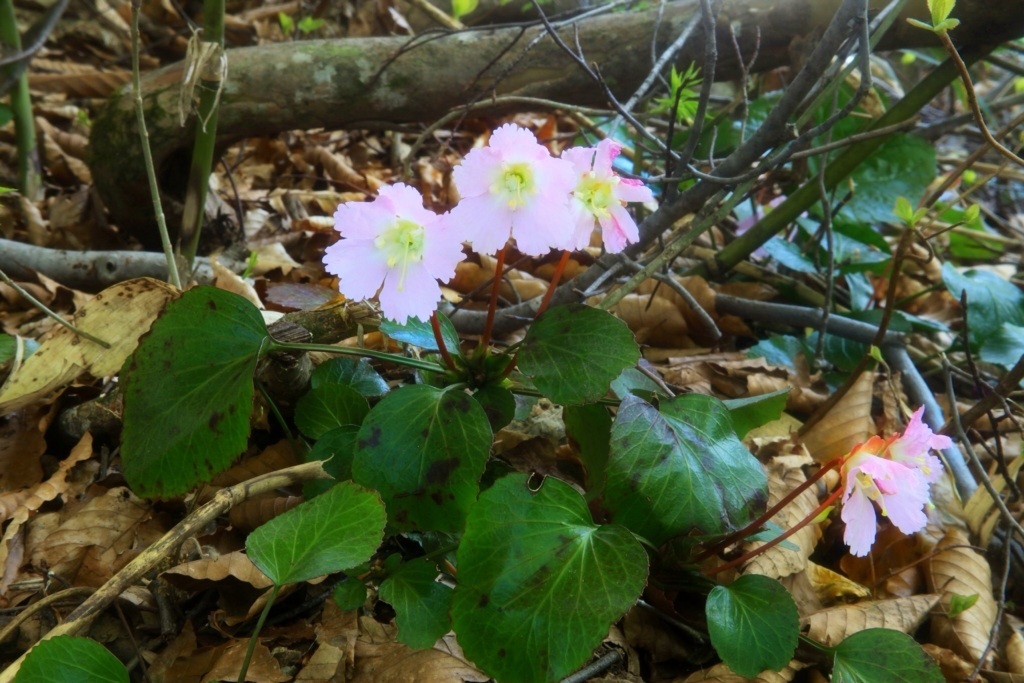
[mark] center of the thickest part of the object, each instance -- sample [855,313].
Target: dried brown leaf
[831,626]
[118,315]
[1015,652]
[97,538]
[199,574]
[981,513]
[721,673]
[783,476]
[832,587]
[380,659]
[847,424]
[956,568]
[254,513]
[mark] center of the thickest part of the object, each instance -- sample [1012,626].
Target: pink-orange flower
[514,188]
[893,474]
[599,197]
[396,246]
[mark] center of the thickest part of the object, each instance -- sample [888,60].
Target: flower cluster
[895,474]
[513,188]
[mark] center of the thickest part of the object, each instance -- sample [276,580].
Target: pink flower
[899,491]
[912,448]
[396,246]
[895,474]
[514,188]
[599,196]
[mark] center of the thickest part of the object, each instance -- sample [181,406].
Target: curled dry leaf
[953,666]
[847,424]
[721,673]
[118,315]
[96,539]
[336,636]
[1015,652]
[380,659]
[981,513]
[780,561]
[956,568]
[30,502]
[831,626]
[832,587]
[256,512]
[198,574]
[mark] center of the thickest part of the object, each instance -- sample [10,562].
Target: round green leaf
[349,594]
[327,407]
[421,334]
[354,372]
[498,403]
[681,469]
[66,659]
[573,353]
[991,300]
[539,582]
[336,448]
[338,529]
[424,449]
[421,603]
[188,392]
[881,655]
[753,624]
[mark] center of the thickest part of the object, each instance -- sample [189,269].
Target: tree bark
[382,83]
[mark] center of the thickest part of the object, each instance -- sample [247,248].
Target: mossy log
[383,83]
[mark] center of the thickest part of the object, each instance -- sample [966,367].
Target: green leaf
[65,659]
[424,449]
[880,655]
[940,10]
[902,167]
[789,255]
[421,603]
[751,413]
[350,594]
[336,448]
[336,530]
[327,407]
[188,392]
[681,469]
[539,582]
[634,382]
[958,604]
[1005,347]
[753,624]
[780,350]
[499,403]
[286,22]
[572,353]
[461,8]
[590,426]
[421,334]
[991,300]
[353,372]
[8,347]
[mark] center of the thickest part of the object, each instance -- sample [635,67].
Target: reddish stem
[485,338]
[435,325]
[770,512]
[832,498]
[559,269]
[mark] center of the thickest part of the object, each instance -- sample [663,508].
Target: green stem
[256,633]
[798,202]
[30,182]
[39,304]
[429,366]
[209,86]
[147,154]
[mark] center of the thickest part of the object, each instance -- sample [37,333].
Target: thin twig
[42,307]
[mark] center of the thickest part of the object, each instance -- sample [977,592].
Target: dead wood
[384,83]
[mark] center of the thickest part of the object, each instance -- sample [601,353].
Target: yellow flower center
[402,244]
[597,194]
[516,183]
